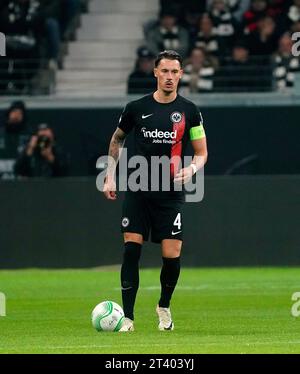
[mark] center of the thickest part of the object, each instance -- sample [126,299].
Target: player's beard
[169,90]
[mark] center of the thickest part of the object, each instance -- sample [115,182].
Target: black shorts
[162,216]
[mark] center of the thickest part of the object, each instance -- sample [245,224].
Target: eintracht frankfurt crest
[176,117]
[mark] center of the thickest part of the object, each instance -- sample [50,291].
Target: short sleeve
[196,117]
[126,121]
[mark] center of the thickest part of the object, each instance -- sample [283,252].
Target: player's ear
[180,73]
[155,72]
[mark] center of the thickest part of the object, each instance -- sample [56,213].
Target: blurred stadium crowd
[228,45]
[35,31]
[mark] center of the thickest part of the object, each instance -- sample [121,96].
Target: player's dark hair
[169,55]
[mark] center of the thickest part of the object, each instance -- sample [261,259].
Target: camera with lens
[43,142]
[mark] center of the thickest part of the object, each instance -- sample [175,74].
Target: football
[107,316]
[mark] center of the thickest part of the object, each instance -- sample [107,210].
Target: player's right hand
[109,188]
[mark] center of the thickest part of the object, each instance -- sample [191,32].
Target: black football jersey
[160,129]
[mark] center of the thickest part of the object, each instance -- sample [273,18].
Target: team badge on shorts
[176,117]
[125,222]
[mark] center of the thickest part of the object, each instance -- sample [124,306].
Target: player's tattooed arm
[114,152]
[115,147]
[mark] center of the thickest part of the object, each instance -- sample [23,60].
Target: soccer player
[163,123]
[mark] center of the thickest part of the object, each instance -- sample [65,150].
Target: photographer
[42,156]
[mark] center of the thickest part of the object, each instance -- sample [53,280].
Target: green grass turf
[215,311]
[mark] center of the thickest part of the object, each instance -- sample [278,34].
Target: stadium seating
[100,59]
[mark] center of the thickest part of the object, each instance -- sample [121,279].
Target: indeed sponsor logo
[156,134]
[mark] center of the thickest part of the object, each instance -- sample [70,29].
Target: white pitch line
[169,344]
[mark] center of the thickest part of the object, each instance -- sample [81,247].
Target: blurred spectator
[42,156]
[36,19]
[293,13]
[207,37]
[168,35]
[25,21]
[264,40]
[17,23]
[187,13]
[32,31]
[241,73]
[14,134]
[236,7]
[285,63]
[190,21]
[48,18]
[142,79]
[224,23]
[257,11]
[278,7]
[198,73]
[69,9]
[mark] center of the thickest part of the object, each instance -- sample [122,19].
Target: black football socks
[130,276]
[168,279]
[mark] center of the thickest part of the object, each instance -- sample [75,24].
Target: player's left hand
[184,175]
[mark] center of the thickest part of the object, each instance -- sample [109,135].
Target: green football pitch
[245,310]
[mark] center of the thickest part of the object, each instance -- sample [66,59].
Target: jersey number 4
[177,221]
